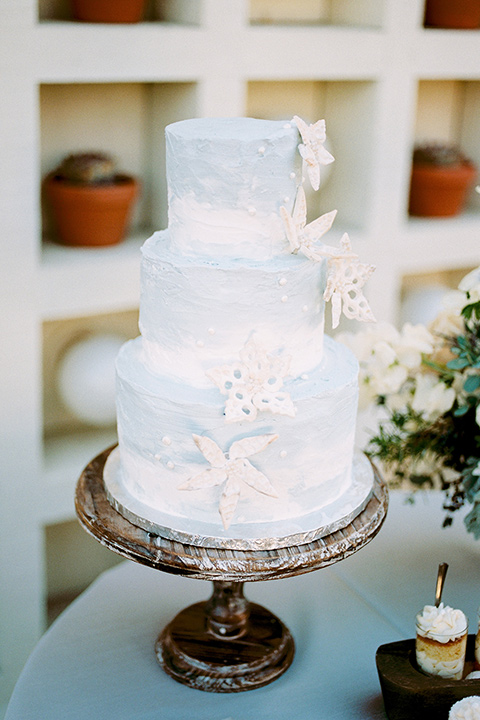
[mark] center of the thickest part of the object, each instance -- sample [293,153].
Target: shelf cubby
[345,185]
[363,13]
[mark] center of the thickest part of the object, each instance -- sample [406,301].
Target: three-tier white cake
[236,415]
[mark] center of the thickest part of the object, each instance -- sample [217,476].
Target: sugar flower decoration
[302,237]
[253,384]
[345,280]
[232,470]
[312,150]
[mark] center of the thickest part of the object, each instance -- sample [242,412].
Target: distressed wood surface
[226,644]
[115,532]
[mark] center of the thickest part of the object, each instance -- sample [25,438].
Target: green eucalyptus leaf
[458,363]
[472,383]
[472,521]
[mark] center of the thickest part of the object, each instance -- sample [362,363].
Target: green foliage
[450,442]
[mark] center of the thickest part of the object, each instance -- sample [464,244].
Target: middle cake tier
[197,314]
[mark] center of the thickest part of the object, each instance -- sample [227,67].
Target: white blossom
[432,397]
[414,341]
[449,321]
[477,418]
[470,284]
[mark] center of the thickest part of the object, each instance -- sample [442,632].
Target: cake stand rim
[114,531]
[316,525]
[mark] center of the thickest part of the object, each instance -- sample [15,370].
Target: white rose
[414,341]
[477,420]
[471,284]
[389,380]
[383,355]
[432,397]
[363,342]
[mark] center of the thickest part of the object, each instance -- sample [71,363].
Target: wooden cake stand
[225,644]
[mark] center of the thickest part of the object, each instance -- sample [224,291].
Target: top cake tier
[226,183]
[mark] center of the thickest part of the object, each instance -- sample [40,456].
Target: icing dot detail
[285,298]
[261,150]
[166,440]
[292,176]
[157,456]
[304,376]
[252,211]
[283,454]
[286,199]
[305,308]
[170,464]
[200,343]
[211,331]
[282,281]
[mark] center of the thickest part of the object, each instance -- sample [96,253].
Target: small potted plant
[453,14]
[440,181]
[108,11]
[90,201]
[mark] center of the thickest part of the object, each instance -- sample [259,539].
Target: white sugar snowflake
[231,469]
[253,384]
[344,285]
[302,237]
[312,149]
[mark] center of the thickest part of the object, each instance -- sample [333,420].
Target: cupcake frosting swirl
[442,623]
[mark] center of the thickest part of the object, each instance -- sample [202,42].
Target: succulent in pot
[108,11]
[441,179]
[91,202]
[453,14]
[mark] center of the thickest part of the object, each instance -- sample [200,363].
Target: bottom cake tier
[308,460]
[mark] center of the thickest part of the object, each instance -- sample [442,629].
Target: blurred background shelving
[381,80]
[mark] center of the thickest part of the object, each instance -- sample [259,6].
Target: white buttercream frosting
[441,623]
[442,668]
[466,709]
[222,276]
[224,193]
[183,298]
[318,442]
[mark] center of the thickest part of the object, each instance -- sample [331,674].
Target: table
[97,660]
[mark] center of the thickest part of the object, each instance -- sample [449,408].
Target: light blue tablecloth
[97,660]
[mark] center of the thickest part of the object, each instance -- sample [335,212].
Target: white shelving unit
[370,68]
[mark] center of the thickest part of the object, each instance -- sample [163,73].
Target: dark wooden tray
[409,694]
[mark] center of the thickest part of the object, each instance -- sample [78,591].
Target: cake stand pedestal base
[225,644]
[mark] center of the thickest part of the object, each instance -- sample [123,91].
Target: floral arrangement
[426,382]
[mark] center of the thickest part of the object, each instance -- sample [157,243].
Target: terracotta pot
[108,11]
[454,14]
[440,191]
[91,215]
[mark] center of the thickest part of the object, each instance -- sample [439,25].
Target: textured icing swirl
[441,623]
[226,183]
[466,709]
[196,314]
[309,464]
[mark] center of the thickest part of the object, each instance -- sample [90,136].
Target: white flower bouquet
[427,382]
